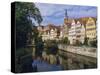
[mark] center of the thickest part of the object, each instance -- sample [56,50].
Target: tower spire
[66,14]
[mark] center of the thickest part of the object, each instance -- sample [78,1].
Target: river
[68,61]
[74,61]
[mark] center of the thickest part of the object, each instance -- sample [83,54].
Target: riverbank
[86,51]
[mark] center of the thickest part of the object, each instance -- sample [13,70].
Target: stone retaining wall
[87,51]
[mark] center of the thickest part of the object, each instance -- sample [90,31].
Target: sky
[55,13]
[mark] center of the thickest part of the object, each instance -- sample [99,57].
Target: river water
[68,61]
[74,61]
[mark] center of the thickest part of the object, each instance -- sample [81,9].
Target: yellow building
[91,28]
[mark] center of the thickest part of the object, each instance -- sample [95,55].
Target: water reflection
[75,61]
[64,61]
[41,65]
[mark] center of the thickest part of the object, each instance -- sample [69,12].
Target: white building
[72,32]
[82,38]
[76,32]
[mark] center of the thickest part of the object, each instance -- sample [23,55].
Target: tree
[25,12]
[25,31]
[39,46]
[64,40]
[52,47]
[86,41]
[93,43]
[78,43]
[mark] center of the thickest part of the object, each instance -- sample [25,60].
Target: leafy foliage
[78,43]
[39,46]
[64,41]
[52,47]
[25,12]
[26,31]
[93,43]
[86,41]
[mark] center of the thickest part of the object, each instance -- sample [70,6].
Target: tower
[66,14]
[66,17]
[65,26]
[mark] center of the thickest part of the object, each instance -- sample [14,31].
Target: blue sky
[54,13]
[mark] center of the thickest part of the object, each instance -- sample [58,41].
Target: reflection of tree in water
[39,47]
[51,47]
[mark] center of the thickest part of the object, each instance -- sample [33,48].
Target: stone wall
[86,51]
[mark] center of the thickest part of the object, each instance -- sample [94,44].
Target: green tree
[78,43]
[64,40]
[93,43]
[24,14]
[39,46]
[51,47]
[86,41]
[26,31]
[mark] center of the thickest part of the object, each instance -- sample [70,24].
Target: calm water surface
[69,61]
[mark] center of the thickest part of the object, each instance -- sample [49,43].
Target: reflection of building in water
[73,61]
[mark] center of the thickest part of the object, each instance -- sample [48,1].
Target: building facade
[76,32]
[91,28]
[82,38]
[49,32]
[72,32]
